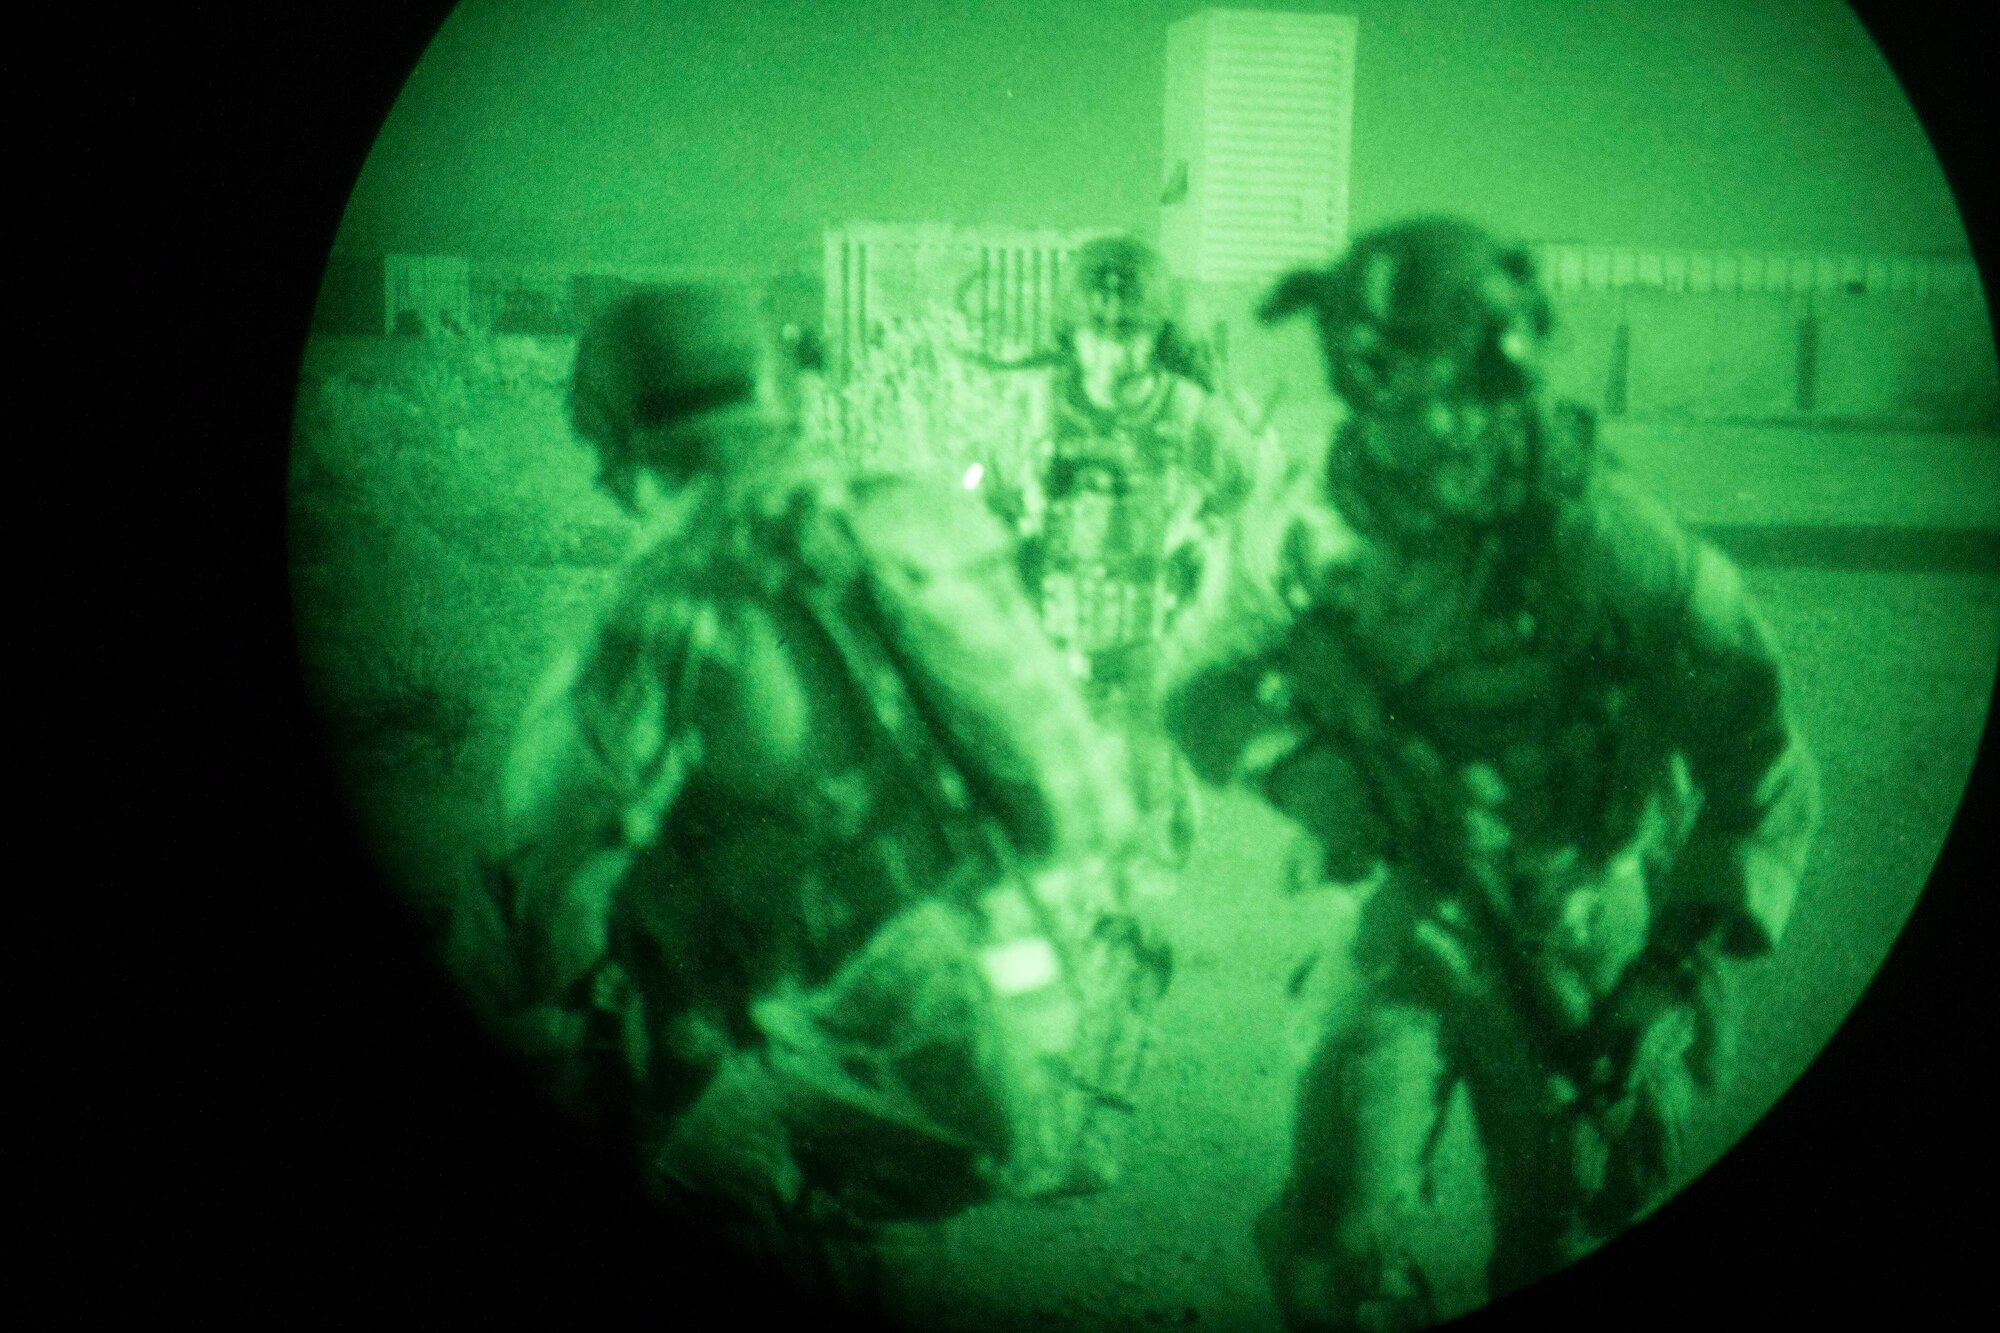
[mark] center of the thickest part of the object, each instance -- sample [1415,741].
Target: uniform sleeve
[1275,556]
[1235,462]
[1720,692]
[593,770]
[1233,713]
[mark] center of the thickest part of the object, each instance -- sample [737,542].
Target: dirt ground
[1890,673]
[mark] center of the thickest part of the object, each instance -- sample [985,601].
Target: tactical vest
[1117,484]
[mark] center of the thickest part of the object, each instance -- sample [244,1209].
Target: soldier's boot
[1346,1286]
[1301,1283]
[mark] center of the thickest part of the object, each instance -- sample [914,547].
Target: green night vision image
[1102,664]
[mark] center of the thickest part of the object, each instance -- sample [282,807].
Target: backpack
[986,1040]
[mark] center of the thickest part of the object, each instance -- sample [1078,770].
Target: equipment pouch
[1072,989]
[996,1047]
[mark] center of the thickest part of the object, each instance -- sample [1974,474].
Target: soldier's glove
[1663,994]
[1729,894]
[1644,1131]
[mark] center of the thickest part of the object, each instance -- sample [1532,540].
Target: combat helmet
[1117,284]
[665,371]
[1120,286]
[1434,335]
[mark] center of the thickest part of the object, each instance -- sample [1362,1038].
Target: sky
[732,131]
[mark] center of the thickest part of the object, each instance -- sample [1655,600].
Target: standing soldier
[809,880]
[1551,723]
[1142,467]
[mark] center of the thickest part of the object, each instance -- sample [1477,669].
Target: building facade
[1259,110]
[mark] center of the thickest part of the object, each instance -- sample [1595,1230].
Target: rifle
[1427,813]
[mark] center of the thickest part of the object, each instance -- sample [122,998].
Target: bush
[918,403]
[425,473]
[443,518]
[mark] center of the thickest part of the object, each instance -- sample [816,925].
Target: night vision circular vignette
[1135,665]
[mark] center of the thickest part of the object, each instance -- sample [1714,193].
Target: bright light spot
[973,475]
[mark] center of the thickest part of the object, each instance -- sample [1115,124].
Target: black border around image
[301,1125]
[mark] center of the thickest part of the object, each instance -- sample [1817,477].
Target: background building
[415,295]
[1259,108]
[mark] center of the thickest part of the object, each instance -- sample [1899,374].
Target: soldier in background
[1537,731]
[1128,505]
[810,875]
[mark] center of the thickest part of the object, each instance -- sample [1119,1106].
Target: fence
[1003,281]
[1902,341]
[1567,267]
[1731,334]
[1828,356]
[388,294]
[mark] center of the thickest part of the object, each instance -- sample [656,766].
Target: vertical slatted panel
[1572,269]
[861,297]
[1701,272]
[987,337]
[1037,327]
[1058,261]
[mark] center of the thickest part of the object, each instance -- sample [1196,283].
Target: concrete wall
[1894,360]
[1902,358]
[1713,356]
[1884,359]
[1712,473]
[1584,360]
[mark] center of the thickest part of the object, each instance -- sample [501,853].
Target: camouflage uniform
[1552,722]
[810,875]
[1132,499]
